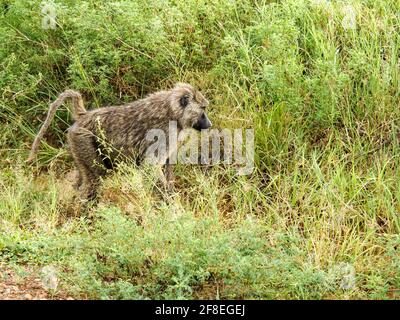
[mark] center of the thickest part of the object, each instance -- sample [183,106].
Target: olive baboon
[100,137]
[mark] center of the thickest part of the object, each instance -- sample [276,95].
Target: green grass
[323,100]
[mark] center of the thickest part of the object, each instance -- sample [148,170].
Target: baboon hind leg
[87,160]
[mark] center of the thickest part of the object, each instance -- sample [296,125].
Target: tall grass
[322,98]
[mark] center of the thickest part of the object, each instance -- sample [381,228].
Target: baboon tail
[78,109]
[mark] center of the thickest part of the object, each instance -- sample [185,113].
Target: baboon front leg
[169,176]
[88,161]
[78,183]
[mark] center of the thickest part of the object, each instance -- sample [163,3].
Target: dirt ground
[27,286]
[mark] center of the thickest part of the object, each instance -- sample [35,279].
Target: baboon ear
[184,101]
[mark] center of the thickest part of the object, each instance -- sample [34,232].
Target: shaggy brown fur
[100,137]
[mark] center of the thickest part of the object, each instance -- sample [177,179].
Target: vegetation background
[318,218]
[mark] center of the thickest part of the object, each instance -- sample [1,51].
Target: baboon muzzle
[202,123]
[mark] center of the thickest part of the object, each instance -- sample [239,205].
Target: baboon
[101,137]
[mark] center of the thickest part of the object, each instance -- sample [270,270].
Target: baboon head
[188,107]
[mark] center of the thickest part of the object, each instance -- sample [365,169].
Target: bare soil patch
[27,286]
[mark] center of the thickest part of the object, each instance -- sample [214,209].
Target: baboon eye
[184,101]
